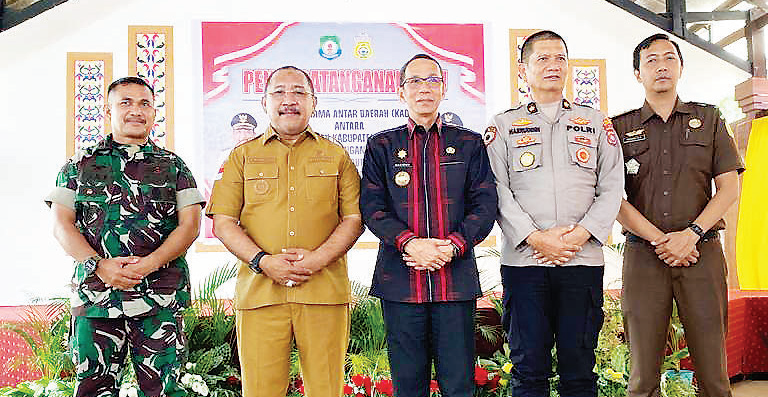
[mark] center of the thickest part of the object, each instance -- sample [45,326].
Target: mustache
[291,109]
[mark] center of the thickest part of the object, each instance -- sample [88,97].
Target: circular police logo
[694,123]
[489,135]
[582,155]
[527,159]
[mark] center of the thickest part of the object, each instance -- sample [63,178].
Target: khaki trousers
[264,337]
[702,301]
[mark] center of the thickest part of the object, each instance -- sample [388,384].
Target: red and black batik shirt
[419,183]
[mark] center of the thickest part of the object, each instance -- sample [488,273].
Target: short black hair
[130,80]
[647,43]
[415,57]
[527,48]
[290,67]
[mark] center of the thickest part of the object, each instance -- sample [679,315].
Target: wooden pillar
[752,96]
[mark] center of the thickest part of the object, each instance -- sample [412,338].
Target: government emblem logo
[633,166]
[330,47]
[402,178]
[363,48]
[402,153]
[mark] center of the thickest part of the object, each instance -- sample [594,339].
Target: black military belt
[710,234]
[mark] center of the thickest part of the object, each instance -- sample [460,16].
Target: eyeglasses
[280,93]
[433,81]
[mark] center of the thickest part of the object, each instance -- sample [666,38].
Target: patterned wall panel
[587,85]
[519,89]
[150,56]
[88,76]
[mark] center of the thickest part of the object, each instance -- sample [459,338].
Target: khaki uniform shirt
[554,173]
[288,197]
[669,166]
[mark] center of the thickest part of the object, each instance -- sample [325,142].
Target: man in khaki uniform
[286,205]
[673,150]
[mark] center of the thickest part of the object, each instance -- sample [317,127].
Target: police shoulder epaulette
[512,109]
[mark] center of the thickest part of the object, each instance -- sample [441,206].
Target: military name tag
[402,178]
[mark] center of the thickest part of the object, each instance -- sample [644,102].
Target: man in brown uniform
[286,205]
[672,152]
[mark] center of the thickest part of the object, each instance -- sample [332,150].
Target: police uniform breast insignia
[527,159]
[580,120]
[582,140]
[633,166]
[522,122]
[489,135]
[450,150]
[261,186]
[694,123]
[582,155]
[402,178]
[402,153]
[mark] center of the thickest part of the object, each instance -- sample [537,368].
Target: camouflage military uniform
[125,198]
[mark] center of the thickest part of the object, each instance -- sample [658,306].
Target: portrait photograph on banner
[355,70]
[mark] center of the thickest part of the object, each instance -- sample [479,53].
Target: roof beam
[676,24]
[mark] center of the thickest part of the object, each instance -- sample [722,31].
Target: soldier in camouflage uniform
[126,211]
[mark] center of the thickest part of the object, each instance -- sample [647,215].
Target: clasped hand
[557,245]
[293,266]
[677,248]
[428,253]
[125,272]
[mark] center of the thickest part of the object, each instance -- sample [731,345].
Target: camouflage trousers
[100,345]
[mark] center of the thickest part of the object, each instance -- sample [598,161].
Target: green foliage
[367,352]
[675,385]
[206,322]
[41,388]
[45,331]
[211,340]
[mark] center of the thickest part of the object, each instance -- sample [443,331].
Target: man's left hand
[578,236]
[144,265]
[310,260]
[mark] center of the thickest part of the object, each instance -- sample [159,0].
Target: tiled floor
[750,388]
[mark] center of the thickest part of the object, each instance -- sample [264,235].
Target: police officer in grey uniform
[559,176]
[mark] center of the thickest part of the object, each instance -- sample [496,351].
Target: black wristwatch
[254,263]
[697,229]
[90,264]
